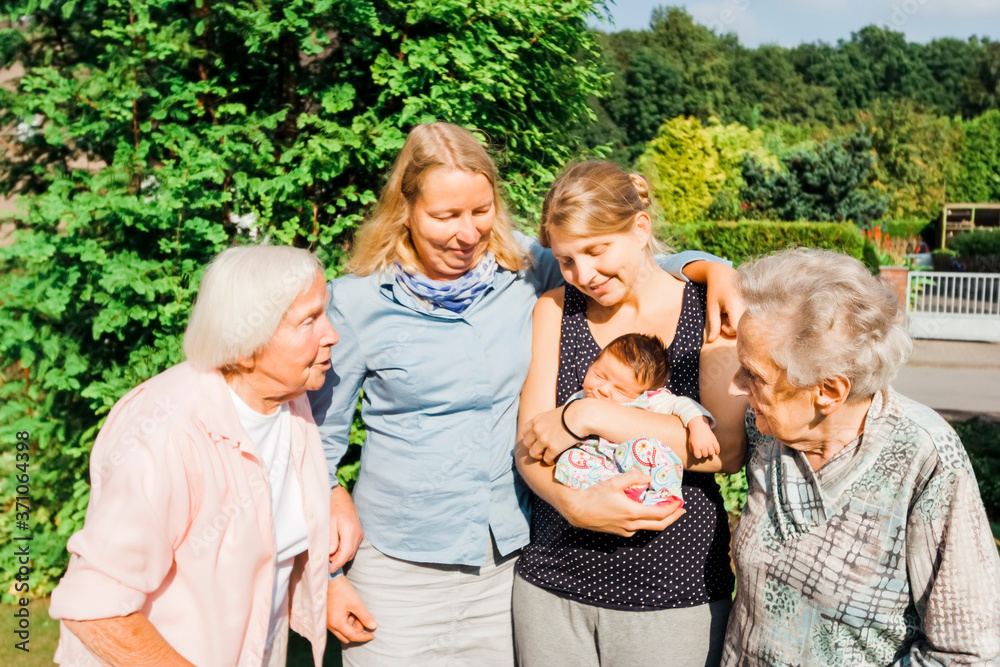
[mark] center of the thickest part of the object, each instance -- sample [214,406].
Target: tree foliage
[733,143]
[742,240]
[683,168]
[678,67]
[696,170]
[153,133]
[915,156]
[831,183]
[979,161]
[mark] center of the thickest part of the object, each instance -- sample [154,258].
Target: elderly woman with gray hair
[864,540]
[207,529]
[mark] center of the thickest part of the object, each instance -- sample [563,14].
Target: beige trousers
[435,615]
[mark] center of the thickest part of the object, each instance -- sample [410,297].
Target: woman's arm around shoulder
[539,392]
[717,366]
[724,307]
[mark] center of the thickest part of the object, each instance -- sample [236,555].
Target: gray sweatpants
[550,631]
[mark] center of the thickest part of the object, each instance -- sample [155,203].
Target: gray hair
[243,297]
[829,317]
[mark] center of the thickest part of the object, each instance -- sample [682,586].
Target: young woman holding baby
[579,590]
[435,324]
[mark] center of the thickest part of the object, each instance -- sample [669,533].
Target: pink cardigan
[179,526]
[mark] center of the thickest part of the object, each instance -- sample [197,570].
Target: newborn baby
[632,370]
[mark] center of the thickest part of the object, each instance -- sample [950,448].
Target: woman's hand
[345,528]
[346,615]
[724,307]
[605,507]
[544,437]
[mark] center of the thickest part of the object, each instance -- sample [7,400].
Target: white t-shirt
[271,435]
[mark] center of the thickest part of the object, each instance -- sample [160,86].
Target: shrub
[832,183]
[683,168]
[903,228]
[944,259]
[978,250]
[870,257]
[739,241]
[982,441]
[977,243]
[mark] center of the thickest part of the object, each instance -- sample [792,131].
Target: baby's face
[610,380]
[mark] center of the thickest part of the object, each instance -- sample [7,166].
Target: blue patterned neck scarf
[454,295]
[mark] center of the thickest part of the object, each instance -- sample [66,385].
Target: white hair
[243,297]
[828,317]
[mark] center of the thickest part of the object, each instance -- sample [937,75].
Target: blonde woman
[602,582]
[435,323]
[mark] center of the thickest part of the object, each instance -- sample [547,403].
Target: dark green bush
[978,250]
[944,259]
[977,243]
[982,441]
[870,256]
[739,241]
[903,228]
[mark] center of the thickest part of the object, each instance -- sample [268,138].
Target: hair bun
[641,186]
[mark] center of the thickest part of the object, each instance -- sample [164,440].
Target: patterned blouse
[883,556]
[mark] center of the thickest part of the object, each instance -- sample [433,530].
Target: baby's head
[628,366]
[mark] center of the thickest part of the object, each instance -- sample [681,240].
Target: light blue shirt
[440,408]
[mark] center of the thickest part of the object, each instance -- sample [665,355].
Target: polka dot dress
[685,565]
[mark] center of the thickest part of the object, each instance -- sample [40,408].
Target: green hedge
[739,241]
[978,250]
[903,228]
[982,442]
[976,243]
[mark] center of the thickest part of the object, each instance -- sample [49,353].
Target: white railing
[954,306]
[958,293]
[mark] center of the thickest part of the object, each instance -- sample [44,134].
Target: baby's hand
[701,440]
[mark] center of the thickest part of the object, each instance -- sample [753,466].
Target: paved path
[953,377]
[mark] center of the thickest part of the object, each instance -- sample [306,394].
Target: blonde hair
[596,198]
[385,238]
[243,297]
[828,317]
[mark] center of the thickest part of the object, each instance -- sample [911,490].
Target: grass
[45,635]
[41,642]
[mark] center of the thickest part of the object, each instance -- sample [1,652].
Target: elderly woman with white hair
[208,523]
[864,540]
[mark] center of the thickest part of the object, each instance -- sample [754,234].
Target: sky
[791,22]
